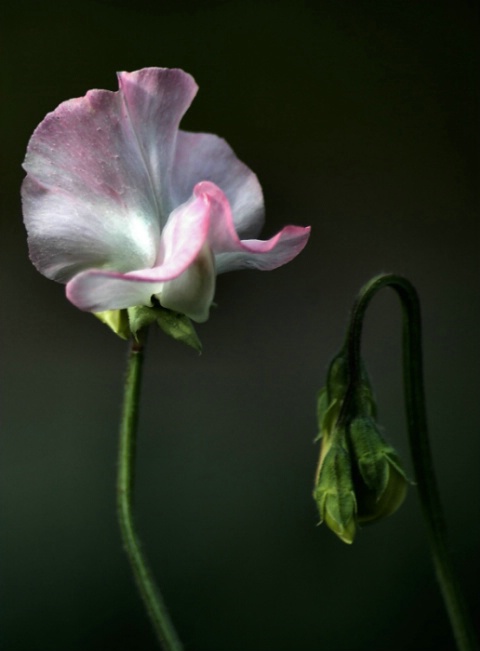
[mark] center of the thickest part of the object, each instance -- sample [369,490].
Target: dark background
[359,118]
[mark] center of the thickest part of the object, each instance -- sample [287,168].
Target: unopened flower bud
[380,481]
[359,478]
[334,492]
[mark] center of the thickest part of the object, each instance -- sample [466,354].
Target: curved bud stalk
[360,478]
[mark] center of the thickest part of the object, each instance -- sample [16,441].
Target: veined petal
[231,253]
[96,193]
[183,238]
[206,157]
[69,233]
[155,100]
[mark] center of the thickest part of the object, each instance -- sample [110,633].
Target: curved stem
[150,594]
[418,436]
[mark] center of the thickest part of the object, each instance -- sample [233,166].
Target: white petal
[192,292]
[96,193]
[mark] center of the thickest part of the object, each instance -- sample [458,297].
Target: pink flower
[122,206]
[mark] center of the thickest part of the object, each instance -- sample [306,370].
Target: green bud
[379,479]
[334,492]
[359,477]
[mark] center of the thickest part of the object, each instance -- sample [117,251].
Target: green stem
[150,594]
[418,435]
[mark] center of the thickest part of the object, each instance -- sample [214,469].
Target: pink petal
[184,236]
[206,157]
[231,253]
[97,184]
[155,100]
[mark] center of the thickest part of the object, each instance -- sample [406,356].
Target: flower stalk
[418,437]
[152,598]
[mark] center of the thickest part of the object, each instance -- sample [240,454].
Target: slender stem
[150,594]
[418,435]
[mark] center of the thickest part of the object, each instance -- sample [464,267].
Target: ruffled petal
[155,101]
[265,255]
[183,238]
[231,253]
[96,193]
[206,157]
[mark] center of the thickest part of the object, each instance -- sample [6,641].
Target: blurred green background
[359,118]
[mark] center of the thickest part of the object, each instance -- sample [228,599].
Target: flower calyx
[133,320]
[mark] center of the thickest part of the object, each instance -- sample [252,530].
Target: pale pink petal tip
[231,253]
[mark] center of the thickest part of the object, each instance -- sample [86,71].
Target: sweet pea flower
[128,210]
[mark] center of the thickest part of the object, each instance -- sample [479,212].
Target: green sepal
[117,320]
[329,421]
[365,403]
[179,327]
[368,450]
[140,317]
[328,412]
[337,378]
[176,325]
[334,494]
[382,483]
[322,406]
